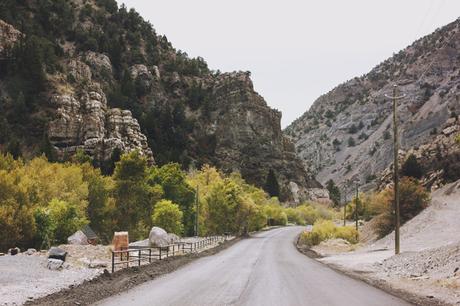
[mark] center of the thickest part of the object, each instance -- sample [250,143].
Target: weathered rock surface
[8,36]
[158,237]
[85,122]
[427,73]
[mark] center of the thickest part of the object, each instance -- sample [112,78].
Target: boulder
[158,237]
[31,251]
[54,264]
[14,251]
[78,238]
[57,253]
[173,238]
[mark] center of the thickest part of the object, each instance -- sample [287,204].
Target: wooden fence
[135,256]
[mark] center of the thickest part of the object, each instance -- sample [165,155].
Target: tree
[176,188]
[334,192]
[351,142]
[168,216]
[271,184]
[134,196]
[412,168]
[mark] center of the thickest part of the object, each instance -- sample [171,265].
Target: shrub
[308,214]
[351,142]
[168,216]
[326,229]
[386,135]
[413,198]
[353,129]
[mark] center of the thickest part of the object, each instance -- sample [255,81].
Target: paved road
[260,271]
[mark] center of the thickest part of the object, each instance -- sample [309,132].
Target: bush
[351,142]
[326,229]
[168,216]
[412,200]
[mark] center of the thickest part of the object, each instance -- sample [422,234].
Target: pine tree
[334,192]
[412,168]
[271,184]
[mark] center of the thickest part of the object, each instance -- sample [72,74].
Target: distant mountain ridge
[346,135]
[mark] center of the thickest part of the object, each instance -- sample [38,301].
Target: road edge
[107,284]
[405,295]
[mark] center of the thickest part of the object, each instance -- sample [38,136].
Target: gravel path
[26,277]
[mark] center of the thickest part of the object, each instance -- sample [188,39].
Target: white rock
[158,237]
[54,264]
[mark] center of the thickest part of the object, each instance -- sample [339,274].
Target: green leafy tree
[168,216]
[134,196]
[176,188]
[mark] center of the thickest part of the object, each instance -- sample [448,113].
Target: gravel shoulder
[106,284]
[427,271]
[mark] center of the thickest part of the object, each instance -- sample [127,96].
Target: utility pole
[197,212]
[356,206]
[395,165]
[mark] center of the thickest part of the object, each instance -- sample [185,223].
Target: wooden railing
[139,255]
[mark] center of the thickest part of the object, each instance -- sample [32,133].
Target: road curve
[259,271]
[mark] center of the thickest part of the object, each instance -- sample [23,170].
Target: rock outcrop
[8,36]
[347,133]
[85,122]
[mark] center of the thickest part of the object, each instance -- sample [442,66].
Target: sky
[296,50]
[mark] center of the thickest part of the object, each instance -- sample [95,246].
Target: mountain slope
[88,75]
[347,133]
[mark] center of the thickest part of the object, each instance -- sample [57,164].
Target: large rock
[78,238]
[158,237]
[57,253]
[54,264]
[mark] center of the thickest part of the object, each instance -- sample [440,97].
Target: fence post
[113,262]
[127,261]
[139,258]
[150,255]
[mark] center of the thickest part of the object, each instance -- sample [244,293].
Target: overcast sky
[296,50]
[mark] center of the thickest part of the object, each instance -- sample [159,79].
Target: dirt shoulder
[367,277]
[107,284]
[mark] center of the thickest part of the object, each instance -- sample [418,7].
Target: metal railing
[139,255]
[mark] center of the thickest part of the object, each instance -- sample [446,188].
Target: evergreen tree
[271,185]
[334,192]
[412,168]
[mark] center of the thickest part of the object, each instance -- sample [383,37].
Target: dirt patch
[379,283]
[108,284]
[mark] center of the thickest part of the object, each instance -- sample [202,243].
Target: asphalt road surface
[260,271]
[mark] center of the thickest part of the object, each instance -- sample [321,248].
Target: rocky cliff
[89,75]
[347,133]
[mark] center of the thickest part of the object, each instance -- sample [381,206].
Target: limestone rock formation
[347,133]
[85,122]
